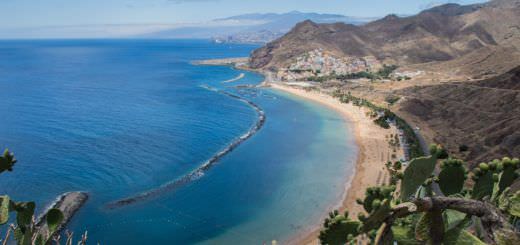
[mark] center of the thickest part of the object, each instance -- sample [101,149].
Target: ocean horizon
[120,117]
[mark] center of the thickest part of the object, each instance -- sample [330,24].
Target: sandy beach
[374,152]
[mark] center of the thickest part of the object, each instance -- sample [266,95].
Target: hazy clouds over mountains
[248,24]
[255,27]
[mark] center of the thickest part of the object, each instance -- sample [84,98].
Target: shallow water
[119,117]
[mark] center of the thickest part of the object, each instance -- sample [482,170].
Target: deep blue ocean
[115,118]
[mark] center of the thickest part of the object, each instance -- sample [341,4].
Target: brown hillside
[438,34]
[462,98]
[482,63]
[484,115]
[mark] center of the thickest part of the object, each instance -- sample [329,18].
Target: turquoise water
[117,118]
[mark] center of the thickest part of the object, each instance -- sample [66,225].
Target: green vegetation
[382,122]
[26,231]
[401,78]
[300,70]
[394,140]
[414,146]
[438,151]
[336,226]
[392,99]
[483,209]
[386,71]
[383,73]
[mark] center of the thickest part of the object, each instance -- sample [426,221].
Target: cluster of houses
[406,74]
[319,63]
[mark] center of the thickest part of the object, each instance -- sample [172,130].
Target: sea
[119,118]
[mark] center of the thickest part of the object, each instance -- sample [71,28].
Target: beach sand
[374,152]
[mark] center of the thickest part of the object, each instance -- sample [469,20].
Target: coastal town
[321,63]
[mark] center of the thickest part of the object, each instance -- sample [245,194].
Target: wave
[199,172]
[51,205]
[242,75]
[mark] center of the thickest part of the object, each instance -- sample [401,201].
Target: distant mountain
[247,28]
[286,21]
[252,28]
[441,33]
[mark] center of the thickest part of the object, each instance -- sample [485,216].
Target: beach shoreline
[373,152]
[369,170]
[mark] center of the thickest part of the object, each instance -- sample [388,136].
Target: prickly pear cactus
[492,183]
[452,176]
[7,161]
[417,172]
[23,236]
[461,237]
[514,205]
[24,213]
[422,229]
[54,219]
[374,196]
[453,218]
[4,209]
[456,234]
[404,235]
[377,217]
[25,231]
[438,151]
[484,179]
[338,230]
[508,175]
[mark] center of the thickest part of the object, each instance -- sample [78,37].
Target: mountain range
[253,28]
[441,33]
[469,98]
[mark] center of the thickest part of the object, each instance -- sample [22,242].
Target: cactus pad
[461,237]
[508,175]
[514,205]
[483,185]
[54,219]
[7,161]
[452,177]
[418,170]
[422,228]
[4,209]
[339,228]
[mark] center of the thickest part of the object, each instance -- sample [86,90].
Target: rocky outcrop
[68,203]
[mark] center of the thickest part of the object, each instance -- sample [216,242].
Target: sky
[18,14]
